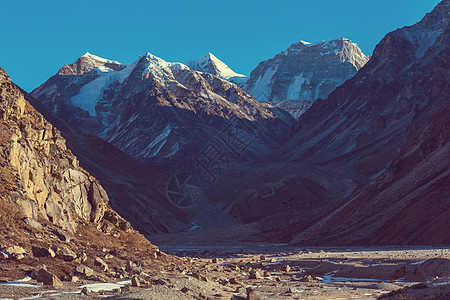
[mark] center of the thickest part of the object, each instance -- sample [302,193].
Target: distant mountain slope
[160,112]
[390,123]
[212,65]
[306,71]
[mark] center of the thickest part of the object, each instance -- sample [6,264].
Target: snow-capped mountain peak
[88,63]
[156,110]
[306,71]
[156,64]
[211,64]
[93,57]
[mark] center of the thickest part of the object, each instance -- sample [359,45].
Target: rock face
[125,180]
[157,111]
[389,124]
[212,65]
[43,177]
[306,71]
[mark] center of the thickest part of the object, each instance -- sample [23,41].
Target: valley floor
[273,271]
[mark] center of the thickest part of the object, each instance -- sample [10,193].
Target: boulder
[64,253]
[42,251]
[35,271]
[286,268]
[15,252]
[236,281]
[61,234]
[33,223]
[84,270]
[48,278]
[85,291]
[135,281]
[133,267]
[255,275]
[101,263]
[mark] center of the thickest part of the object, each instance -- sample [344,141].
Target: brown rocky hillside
[52,211]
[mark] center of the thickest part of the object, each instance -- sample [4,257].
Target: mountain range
[154,110]
[319,145]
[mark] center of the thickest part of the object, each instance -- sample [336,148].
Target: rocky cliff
[125,180]
[52,210]
[49,181]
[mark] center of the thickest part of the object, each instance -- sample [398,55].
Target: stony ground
[281,272]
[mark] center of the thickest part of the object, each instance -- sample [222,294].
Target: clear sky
[39,37]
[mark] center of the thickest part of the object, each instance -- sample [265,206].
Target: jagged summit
[212,65]
[155,64]
[306,71]
[88,63]
[90,56]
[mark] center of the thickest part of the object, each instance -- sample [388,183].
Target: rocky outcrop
[125,180]
[306,71]
[49,181]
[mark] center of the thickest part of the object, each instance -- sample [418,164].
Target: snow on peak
[91,93]
[344,48]
[211,64]
[157,65]
[301,42]
[100,59]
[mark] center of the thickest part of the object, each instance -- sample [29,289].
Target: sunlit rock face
[39,174]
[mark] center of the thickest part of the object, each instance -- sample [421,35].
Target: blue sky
[39,37]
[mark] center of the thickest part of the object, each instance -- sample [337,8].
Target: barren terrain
[271,271]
